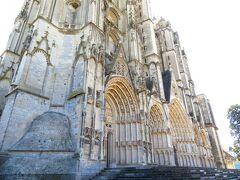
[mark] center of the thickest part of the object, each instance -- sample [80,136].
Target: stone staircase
[166,173]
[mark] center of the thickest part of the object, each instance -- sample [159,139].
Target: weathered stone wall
[4,89]
[21,109]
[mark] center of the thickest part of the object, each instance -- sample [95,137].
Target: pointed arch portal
[122,122]
[159,134]
[183,135]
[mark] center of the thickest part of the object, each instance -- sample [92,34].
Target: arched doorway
[123,120]
[158,135]
[183,134]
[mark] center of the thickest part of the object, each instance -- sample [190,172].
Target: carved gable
[120,66]
[116,64]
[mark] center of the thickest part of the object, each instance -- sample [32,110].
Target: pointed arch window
[78,71]
[37,71]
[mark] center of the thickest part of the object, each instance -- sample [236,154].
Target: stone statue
[94,50]
[28,40]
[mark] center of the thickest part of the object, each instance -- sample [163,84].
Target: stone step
[167,173]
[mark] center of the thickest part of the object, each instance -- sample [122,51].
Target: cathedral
[90,84]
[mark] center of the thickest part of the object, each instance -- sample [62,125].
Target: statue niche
[71,13]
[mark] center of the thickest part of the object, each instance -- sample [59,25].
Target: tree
[234,117]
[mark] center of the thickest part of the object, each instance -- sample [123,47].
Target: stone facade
[88,84]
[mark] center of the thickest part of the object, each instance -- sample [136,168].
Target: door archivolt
[183,134]
[122,115]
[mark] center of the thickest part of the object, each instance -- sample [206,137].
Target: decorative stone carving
[98,135]
[99,103]
[24,12]
[109,60]
[141,83]
[88,133]
[74,3]
[7,63]
[28,40]
[90,96]
[94,50]
[101,53]
[162,23]
[132,15]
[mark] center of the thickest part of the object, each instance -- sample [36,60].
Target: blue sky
[209,31]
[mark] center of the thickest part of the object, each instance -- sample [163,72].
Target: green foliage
[234,117]
[236,149]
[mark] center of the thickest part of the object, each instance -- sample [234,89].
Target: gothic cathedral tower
[89,84]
